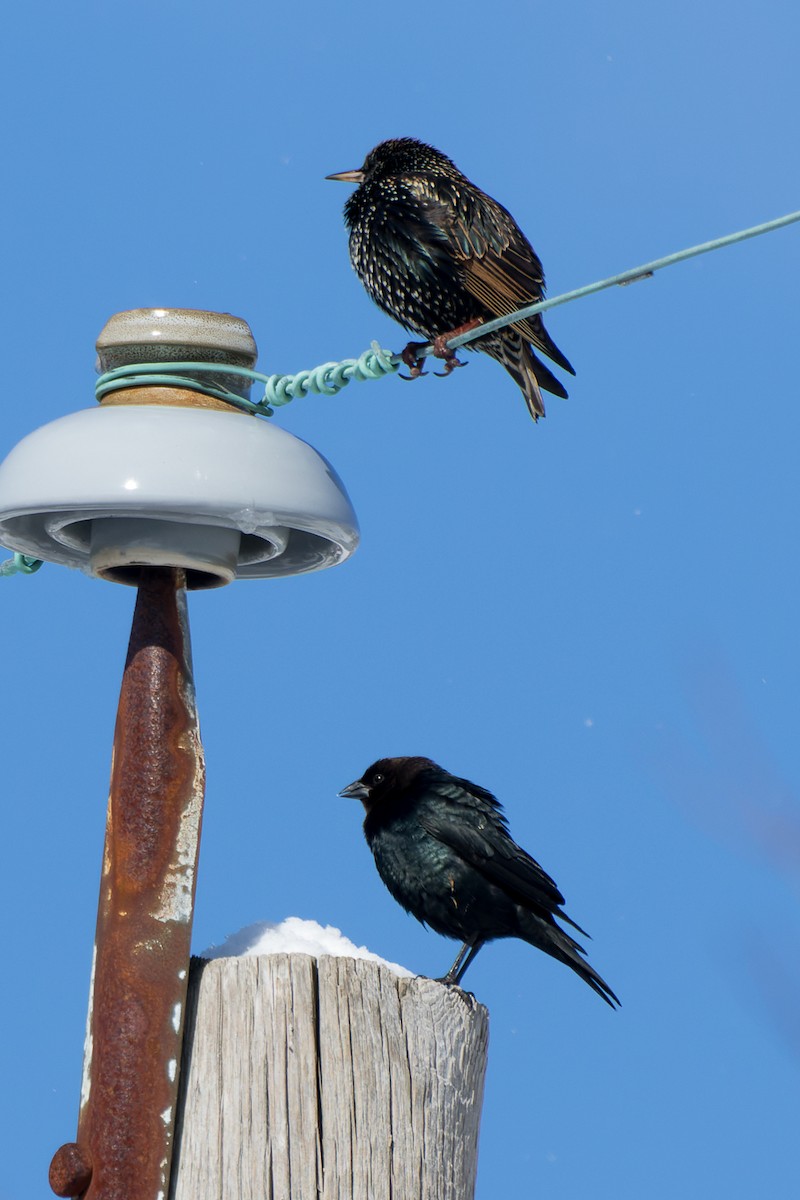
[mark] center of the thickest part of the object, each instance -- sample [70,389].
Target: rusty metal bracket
[140,970]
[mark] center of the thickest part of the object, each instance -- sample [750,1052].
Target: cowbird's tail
[554,941]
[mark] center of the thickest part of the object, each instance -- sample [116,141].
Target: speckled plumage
[435,252]
[442,847]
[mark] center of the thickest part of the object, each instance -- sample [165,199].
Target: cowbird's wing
[469,821]
[500,268]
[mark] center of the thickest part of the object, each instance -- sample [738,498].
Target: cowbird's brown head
[387,777]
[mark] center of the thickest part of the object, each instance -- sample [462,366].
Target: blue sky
[595,617]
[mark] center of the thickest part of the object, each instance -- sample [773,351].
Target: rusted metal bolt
[70,1170]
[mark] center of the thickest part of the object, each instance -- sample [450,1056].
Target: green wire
[635,273]
[375,363]
[20,564]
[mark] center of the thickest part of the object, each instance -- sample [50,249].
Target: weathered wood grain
[329,1079]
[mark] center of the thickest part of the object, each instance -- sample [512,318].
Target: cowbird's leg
[410,357]
[450,977]
[463,959]
[440,350]
[463,968]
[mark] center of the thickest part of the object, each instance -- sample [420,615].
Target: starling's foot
[441,350]
[415,364]
[449,356]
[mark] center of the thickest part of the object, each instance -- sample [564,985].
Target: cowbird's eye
[377,778]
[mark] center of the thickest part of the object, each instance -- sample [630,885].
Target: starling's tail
[528,372]
[555,942]
[533,330]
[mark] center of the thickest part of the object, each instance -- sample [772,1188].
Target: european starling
[442,847]
[438,255]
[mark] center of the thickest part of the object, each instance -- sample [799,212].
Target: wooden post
[329,1079]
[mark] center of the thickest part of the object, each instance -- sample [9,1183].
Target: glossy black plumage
[442,847]
[435,252]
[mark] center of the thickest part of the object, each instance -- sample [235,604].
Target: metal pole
[140,972]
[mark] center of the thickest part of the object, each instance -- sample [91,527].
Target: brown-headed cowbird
[439,255]
[442,847]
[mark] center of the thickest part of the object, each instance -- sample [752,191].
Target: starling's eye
[377,778]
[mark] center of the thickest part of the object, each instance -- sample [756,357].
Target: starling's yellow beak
[348,176]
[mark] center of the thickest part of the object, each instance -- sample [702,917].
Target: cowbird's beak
[348,176]
[355,791]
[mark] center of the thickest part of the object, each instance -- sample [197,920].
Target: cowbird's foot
[415,364]
[441,350]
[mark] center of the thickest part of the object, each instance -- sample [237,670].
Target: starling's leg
[463,959]
[441,350]
[410,357]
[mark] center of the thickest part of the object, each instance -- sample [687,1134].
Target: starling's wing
[407,266]
[473,826]
[415,245]
[500,267]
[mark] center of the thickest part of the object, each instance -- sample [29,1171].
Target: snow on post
[315,1076]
